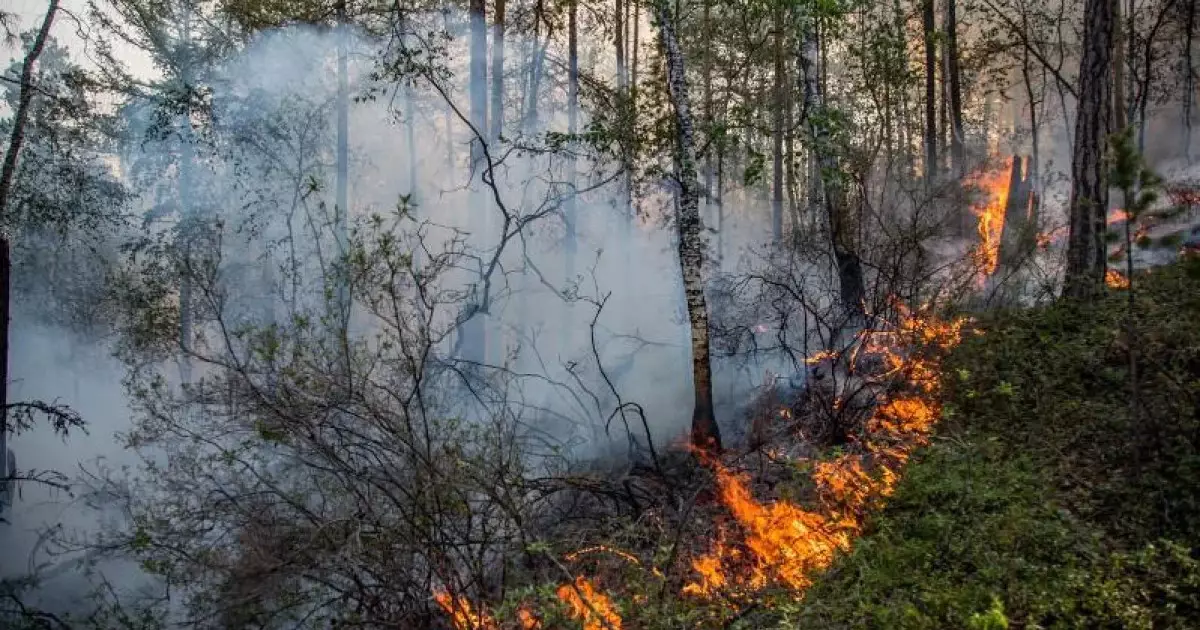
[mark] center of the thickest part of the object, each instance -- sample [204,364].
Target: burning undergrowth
[770,519]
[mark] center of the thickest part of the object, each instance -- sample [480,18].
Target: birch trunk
[705,433]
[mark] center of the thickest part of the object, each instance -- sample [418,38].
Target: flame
[1115,279]
[589,605]
[461,615]
[781,542]
[1117,215]
[786,544]
[990,210]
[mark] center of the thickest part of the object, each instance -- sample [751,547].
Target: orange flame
[990,209]
[788,545]
[461,615]
[589,605]
[1115,279]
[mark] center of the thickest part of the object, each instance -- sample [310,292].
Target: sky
[73,32]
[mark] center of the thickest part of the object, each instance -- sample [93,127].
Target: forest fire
[993,186]
[780,542]
[787,544]
[1115,279]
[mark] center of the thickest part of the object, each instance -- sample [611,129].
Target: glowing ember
[1115,279]
[589,605]
[993,185]
[571,557]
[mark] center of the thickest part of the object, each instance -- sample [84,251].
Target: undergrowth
[1044,500]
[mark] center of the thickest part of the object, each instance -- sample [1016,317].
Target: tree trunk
[930,92]
[474,332]
[570,245]
[342,203]
[7,176]
[777,131]
[827,192]
[1120,117]
[958,157]
[706,30]
[1189,80]
[1086,245]
[498,72]
[705,433]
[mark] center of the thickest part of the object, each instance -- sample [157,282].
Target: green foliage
[1042,504]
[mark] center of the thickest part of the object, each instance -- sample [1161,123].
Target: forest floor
[1051,496]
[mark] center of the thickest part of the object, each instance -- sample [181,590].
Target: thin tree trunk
[342,184]
[777,99]
[705,433]
[1120,118]
[958,157]
[498,72]
[828,190]
[7,176]
[706,56]
[930,92]
[473,329]
[1086,245]
[1189,79]
[570,245]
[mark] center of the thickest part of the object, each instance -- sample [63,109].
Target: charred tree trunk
[931,151]
[958,156]
[827,193]
[705,433]
[1086,245]
[7,176]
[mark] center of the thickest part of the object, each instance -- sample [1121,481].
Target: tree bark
[570,242]
[7,176]
[827,192]
[705,433]
[1120,117]
[473,329]
[779,107]
[1189,80]
[1086,244]
[498,72]
[958,157]
[931,150]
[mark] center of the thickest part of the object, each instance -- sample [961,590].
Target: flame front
[1115,279]
[780,542]
[788,545]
